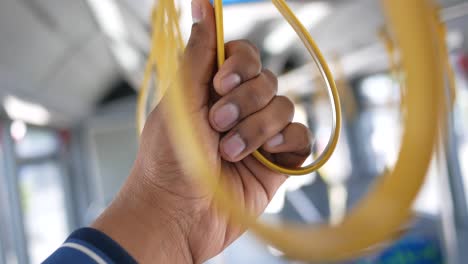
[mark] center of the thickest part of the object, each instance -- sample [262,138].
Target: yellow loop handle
[387,208]
[444,55]
[322,65]
[391,51]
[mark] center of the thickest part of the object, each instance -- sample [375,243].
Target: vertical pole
[2,219]
[79,176]
[449,233]
[13,195]
[455,175]
[64,163]
[454,185]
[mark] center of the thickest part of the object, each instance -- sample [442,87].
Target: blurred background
[69,74]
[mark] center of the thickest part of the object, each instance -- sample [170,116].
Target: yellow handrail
[387,207]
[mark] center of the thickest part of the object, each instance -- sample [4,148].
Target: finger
[199,57]
[256,129]
[242,64]
[295,138]
[291,146]
[245,100]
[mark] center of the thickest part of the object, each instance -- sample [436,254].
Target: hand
[236,111]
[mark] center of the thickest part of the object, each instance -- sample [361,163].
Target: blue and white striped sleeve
[90,246]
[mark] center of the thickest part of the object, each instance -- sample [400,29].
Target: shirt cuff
[103,243]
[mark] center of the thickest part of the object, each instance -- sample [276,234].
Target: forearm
[144,228]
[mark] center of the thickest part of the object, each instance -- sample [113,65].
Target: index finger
[242,64]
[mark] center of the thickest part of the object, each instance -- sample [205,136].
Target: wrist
[142,223]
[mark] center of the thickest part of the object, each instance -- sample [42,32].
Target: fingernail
[197,13]
[226,115]
[275,141]
[234,146]
[230,82]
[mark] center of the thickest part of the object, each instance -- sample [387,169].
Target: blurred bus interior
[69,74]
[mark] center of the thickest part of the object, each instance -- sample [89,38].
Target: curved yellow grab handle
[387,208]
[322,65]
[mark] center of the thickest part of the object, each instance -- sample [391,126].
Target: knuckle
[194,42]
[263,128]
[246,57]
[255,99]
[233,44]
[255,67]
[196,32]
[242,45]
[287,106]
[271,79]
[251,46]
[302,137]
[252,70]
[231,47]
[198,39]
[253,55]
[259,96]
[302,133]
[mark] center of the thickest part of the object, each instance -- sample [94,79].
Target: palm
[253,184]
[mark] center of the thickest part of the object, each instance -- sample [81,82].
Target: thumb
[200,53]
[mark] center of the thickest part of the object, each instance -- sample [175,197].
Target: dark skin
[161,215]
